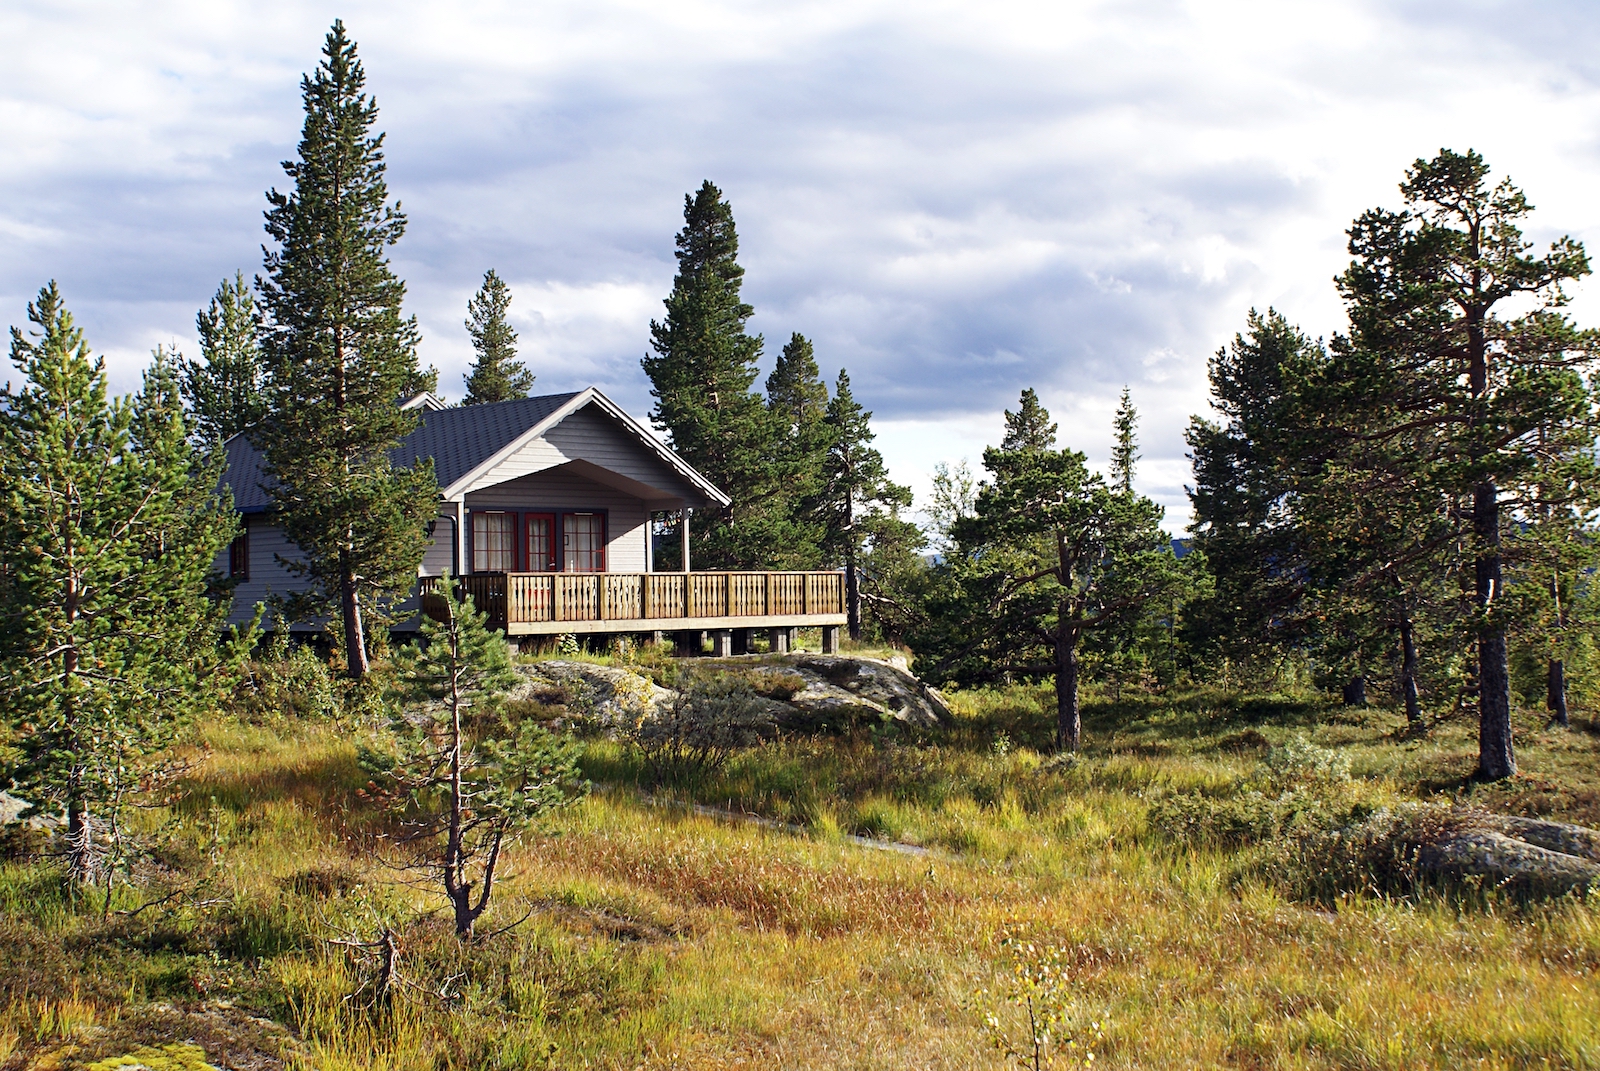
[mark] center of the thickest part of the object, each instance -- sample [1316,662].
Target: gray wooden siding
[267,576]
[559,491]
[439,558]
[593,436]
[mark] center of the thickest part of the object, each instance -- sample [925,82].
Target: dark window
[239,557]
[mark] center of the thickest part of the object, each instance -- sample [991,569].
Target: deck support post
[658,638]
[722,643]
[830,639]
[782,640]
[741,641]
[690,642]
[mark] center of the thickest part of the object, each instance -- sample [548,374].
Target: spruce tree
[224,388]
[855,489]
[1125,449]
[700,375]
[497,375]
[109,528]
[1461,365]
[340,358]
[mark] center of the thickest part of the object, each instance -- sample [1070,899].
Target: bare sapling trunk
[458,884]
[852,598]
[350,606]
[1408,670]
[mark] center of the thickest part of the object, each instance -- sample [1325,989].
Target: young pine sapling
[467,789]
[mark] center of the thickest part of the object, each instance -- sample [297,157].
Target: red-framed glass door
[583,540]
[539,543]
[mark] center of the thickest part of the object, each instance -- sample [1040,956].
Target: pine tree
[855,487]
[701,375]
[1245,470]
[468,786]
[1052,554]
[1030,427]
[1125,451]
[340,358]
[497,375]
[797,400]
[224,388]
[109,527]
[1474,401]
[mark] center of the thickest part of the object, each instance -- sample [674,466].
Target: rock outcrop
[801,692]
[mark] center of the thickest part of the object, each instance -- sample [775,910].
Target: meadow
[640,931]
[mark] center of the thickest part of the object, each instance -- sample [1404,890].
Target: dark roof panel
[458,440]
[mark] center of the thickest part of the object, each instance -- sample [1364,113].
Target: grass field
[657,936]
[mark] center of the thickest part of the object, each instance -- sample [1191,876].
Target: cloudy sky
[953,200]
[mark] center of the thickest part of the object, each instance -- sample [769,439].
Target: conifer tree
[855,489]
[467,785]
[1030,427]
[1125,450]
[497,375]
[224,388]
[797,400]
[1475,400]
[109,528]
[1245,469]
[340,358]
[1051,555]
[701,374]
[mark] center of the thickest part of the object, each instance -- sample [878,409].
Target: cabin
[545,510]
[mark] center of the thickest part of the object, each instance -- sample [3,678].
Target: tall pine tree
[857,496]
[700,374]
[109,527]
[224,388]
[497,375]
[1461,363]
[340,358]
[797,400]
[1030,427]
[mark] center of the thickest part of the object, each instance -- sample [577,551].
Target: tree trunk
[354,635]
[1408,670]
[1556,693]
[1355,691]
[1496,759]
[1069,720]
[852,598]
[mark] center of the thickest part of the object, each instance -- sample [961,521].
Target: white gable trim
[470,481]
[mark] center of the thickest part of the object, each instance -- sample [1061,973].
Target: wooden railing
[536,598]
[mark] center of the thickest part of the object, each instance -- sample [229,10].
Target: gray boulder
[798,692]
[1510,862]
[835,691]
[610,695]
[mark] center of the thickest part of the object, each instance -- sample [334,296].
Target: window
[542,557]
[584,539]
[494,542]
[239,557]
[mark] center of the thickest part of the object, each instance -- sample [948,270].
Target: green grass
[662,937]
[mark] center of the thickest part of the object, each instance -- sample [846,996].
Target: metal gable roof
[460,440]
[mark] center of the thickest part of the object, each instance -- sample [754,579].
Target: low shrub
[692,738]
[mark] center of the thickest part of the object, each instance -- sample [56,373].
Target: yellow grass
[663,938]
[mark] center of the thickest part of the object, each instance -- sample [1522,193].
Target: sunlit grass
[659,936]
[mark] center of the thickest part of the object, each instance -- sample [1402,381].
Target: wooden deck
[535,604]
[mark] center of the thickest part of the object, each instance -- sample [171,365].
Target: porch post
[461,538]
[685,533]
